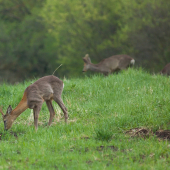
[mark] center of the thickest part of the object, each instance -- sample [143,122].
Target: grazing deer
[166,70]
[108,65]
[46,89]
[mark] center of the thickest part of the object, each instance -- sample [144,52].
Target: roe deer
[46,89]
[108,65]
[166,70]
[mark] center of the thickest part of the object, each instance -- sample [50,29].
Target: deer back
[116,62]
[44,89]
[166,70]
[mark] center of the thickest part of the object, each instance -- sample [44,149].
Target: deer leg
[51,110]
[62,106]
[36,111]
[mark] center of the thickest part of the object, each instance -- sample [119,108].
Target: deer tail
[132,62]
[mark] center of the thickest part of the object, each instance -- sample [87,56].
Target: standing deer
[46,89]
[166,70]
[108,65]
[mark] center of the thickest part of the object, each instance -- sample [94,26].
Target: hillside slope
[103,114]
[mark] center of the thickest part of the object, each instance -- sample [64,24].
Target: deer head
[7,117]
[87,62]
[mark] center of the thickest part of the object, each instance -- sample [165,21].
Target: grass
[101,110]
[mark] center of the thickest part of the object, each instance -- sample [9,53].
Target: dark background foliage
[38,35]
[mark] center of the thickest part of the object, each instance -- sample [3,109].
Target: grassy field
[113,122]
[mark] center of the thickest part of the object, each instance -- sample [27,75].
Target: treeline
[38,35]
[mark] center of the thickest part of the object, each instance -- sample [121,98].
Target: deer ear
[87,55]
[85,60]
[9,110]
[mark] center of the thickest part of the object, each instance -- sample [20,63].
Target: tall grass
[101,109]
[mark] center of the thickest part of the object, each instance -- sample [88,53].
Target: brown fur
[166,70]
[108,65]
[46,89]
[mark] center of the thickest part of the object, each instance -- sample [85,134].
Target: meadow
[113,124]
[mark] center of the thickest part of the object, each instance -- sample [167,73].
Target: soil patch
[98,148]
[4,135]
[85,137]
[139,132]
[101,148]
[144,133]
[164,134]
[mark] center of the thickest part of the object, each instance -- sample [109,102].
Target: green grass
[101,109]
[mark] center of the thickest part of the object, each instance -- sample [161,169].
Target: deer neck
[21,107]
[94,67]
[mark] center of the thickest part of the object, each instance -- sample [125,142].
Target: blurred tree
[38,35]
[82,27]
[146,32]
[22,39]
